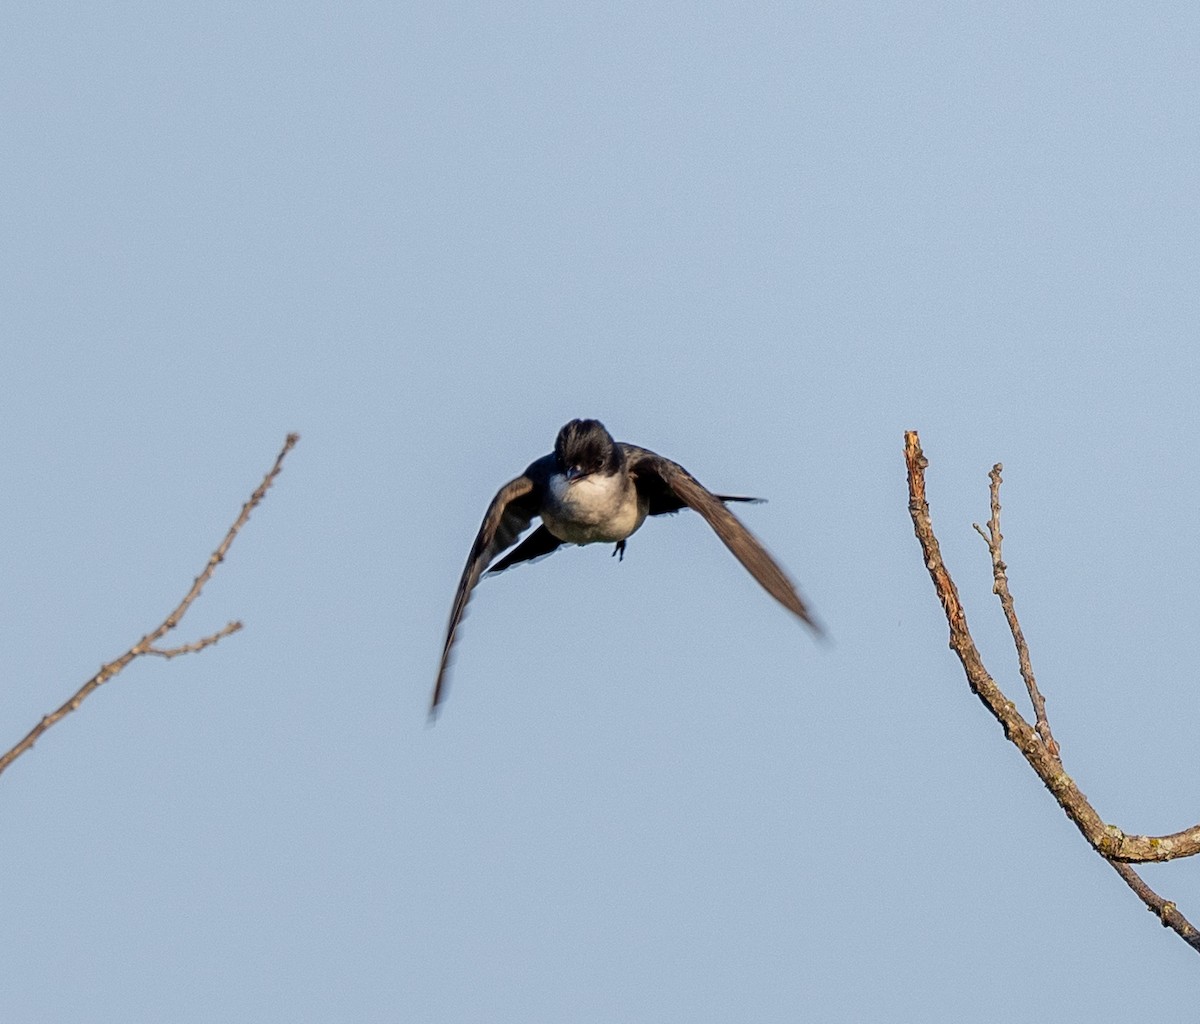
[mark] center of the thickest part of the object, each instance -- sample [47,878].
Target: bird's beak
[574,473]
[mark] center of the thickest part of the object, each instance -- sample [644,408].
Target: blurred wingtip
[819,632]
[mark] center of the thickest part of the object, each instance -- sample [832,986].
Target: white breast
[592,508]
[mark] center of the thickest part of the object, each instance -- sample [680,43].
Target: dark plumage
[594,489]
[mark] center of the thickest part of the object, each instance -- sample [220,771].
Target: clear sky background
[761,239]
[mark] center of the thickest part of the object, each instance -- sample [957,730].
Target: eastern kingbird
[593,489]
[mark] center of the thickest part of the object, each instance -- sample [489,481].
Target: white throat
[592,508]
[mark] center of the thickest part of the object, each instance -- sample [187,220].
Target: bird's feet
[620,550]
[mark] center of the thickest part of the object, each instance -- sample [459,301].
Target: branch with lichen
[147,645]
[1036,743]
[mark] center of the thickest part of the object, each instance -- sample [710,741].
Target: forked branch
[1037,744]
[147,644]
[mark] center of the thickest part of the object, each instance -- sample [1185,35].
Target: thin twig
[1109,841]
[147,643]
[1165,910]
[995,541]
[197,645]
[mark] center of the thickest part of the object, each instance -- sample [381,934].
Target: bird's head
[584,447]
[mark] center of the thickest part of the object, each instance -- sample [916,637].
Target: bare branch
[147,643]
[1000,588]
[1165,910]
[1042,754]
[198,645]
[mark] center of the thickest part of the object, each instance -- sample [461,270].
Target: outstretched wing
[668,487]
[507,517]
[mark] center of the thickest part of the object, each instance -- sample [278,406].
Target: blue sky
[763,240]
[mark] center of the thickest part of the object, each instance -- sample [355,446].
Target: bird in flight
[592,489]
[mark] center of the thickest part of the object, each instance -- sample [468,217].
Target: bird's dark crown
[586,445]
